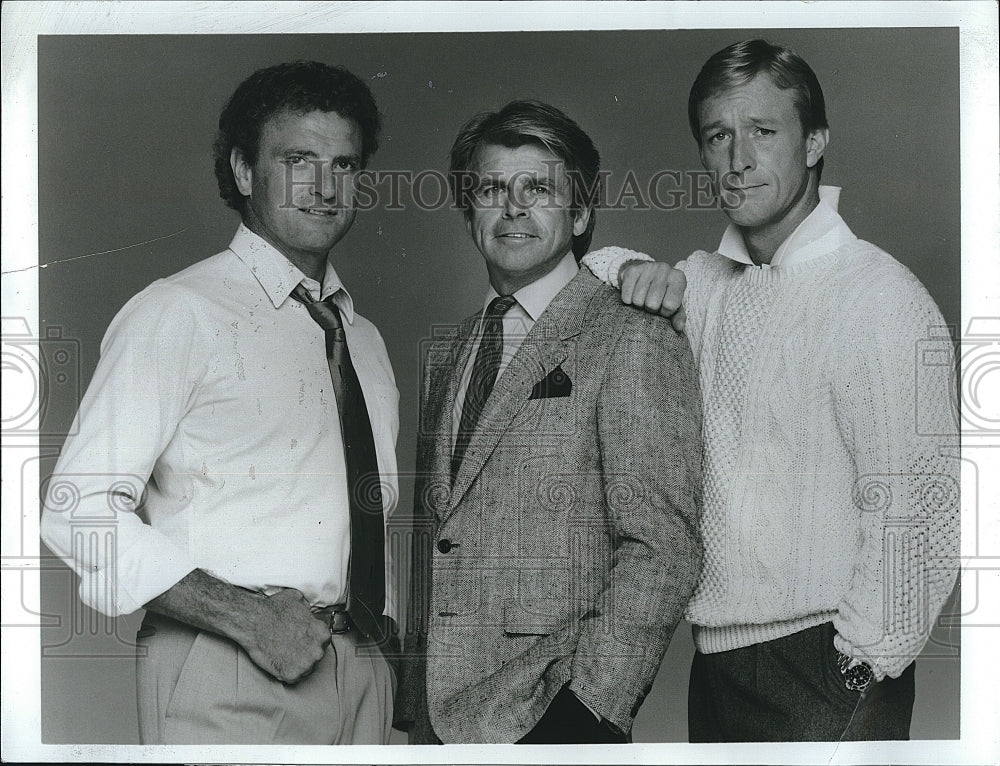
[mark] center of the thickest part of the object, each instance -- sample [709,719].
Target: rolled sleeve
[135,401]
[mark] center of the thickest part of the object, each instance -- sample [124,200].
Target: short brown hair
[740,62]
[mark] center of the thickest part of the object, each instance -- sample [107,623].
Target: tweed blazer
[566,547]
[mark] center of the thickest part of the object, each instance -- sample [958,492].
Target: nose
[328,182]
[743,155]
[512,207]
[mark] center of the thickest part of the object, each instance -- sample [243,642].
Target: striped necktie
[366,578]
[484,375]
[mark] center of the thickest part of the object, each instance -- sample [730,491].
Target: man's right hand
[279,632]
[284,639]
[655,287]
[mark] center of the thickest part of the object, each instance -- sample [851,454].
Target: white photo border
[23,22]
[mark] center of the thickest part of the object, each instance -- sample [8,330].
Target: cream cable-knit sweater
[830,492]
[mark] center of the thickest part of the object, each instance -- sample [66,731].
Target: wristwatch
[857,676]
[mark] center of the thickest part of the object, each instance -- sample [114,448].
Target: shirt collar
[278,276]
[537,296]
[821,232]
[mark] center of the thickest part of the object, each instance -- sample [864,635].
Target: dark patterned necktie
[484,375]
[366,578]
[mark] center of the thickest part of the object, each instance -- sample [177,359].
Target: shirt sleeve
[898,414]
[144,382]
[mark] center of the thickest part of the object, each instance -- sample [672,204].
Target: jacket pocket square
[556,383]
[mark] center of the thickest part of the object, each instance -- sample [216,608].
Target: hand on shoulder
[655,287]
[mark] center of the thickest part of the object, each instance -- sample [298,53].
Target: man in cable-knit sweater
[830,521]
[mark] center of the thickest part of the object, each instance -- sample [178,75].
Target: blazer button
[445,545]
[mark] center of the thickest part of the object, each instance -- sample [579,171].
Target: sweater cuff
[606,262]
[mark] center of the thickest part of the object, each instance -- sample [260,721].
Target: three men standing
[558,467]
[559,453]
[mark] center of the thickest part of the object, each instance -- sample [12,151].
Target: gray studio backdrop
[125,178]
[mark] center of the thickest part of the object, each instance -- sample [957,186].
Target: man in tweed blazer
[556,539]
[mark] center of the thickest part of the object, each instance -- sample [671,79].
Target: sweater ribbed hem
[726,637]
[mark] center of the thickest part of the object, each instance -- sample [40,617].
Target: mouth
[328,212]
[515,235]
[743,188]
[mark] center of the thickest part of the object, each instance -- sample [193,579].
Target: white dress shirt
[532,300]
[819,233]
[209,438]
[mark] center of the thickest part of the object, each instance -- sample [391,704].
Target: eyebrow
[756,119]
[711,127]
[310,154]
[492,179]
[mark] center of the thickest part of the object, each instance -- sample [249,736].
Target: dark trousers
[568,721]
[791,690]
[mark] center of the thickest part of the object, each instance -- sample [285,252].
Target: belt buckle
[337,621]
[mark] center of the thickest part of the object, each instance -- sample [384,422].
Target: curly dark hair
[297,87]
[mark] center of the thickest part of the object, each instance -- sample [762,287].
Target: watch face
[859,677]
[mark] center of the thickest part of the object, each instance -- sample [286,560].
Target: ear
[815,146]
[580,220]
[242,171]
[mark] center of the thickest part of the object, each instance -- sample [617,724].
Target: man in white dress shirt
[831,517]
[211,434]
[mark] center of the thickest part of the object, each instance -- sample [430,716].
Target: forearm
[278,633]
[905,568]
[208,603]
[623,643]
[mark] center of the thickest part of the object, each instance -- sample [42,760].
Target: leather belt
[335,618]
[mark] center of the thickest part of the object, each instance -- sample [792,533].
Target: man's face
[520,218]
[751,136]
[301,188]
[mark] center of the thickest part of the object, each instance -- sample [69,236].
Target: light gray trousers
[194,687]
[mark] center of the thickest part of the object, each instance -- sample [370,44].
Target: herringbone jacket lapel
[444,363]
[544,348]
